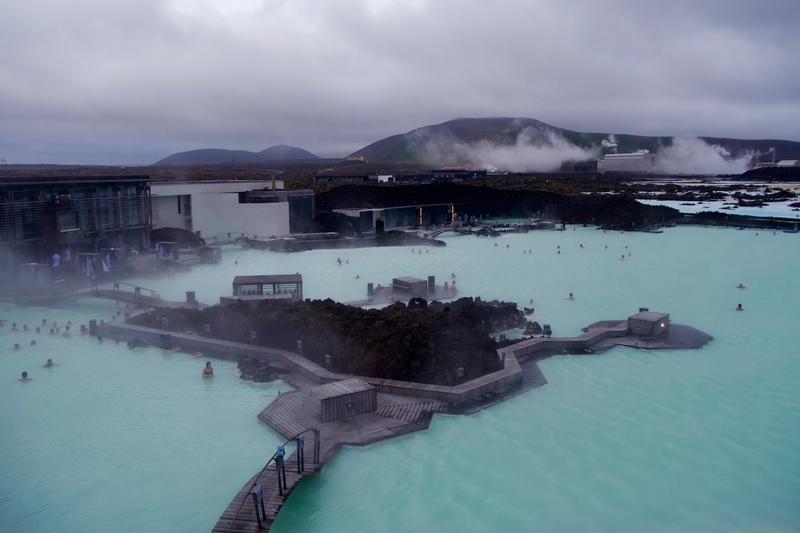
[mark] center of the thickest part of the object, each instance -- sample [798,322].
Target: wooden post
[301,463]
[316,446]
[258,498]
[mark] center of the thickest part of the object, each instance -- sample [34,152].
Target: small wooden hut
[340,399]
[649,324]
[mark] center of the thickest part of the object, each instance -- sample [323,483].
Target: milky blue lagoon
[672,441]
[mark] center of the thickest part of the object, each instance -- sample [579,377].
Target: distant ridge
[504,131]
[218,156]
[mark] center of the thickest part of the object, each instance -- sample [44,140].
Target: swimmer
[236,262]
[14,326]
[55,324]
[495,244]
[33,343]
[174,349]
[16,346]
[622,258]
[38,329]
[559,251]
[24,377]
[99,338]
[69,322]
[606,246]
[629,254]
[739,307]
[196,355]
[208,372]
[52,331]
[66,332]
[24,327]
[581,246]
[347,261]
[356,276]
[44,321]
[559,247]
[49,363]
[84,330]
[452,275]
[571,297]
[446,286]
[506,246]
[426,251]
[740,286]
[531,301]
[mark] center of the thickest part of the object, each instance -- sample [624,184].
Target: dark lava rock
[253,369]
[137,343]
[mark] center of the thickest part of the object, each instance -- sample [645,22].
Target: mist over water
[666,441]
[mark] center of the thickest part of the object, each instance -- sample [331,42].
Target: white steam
[609,142]
[533,151]
[690,155]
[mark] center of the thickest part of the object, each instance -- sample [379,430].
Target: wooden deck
[396,415]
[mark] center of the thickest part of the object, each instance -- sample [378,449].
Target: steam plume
[533,151]
[690,155]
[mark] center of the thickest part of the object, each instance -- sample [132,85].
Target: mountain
[218,156]
[456,142]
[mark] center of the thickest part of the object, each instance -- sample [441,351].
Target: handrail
[255,478]
[137,291]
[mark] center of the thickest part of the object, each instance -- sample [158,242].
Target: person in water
[24,377]
[740,286]
[739,307]
[49,363]
[571,297]
[208,372]
[16,346]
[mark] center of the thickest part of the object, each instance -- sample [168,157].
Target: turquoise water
[698,440]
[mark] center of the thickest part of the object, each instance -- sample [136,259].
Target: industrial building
[636,163]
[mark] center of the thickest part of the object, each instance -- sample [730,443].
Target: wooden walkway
[120,296]
[396,415]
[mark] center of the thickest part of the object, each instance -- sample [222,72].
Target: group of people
[62,260]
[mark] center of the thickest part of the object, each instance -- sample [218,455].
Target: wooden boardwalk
[396,415]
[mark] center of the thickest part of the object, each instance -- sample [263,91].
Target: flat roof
[649,316]
[270,278]
[63,180]
[338,388]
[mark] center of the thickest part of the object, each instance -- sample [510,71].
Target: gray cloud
[132,81]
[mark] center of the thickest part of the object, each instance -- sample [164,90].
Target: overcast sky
[132,81]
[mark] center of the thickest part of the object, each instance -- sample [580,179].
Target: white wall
[215,208]
[168,217]
[216,213]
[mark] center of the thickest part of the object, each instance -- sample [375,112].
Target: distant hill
[434,144]
[218,156]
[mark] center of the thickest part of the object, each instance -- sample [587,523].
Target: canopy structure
[269,285]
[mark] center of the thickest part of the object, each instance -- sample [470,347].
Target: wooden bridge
[137,297]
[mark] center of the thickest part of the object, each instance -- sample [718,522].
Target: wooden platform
[396,415]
